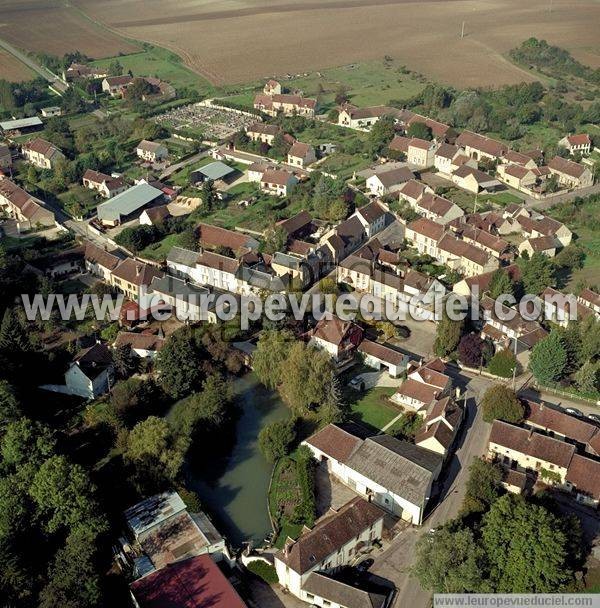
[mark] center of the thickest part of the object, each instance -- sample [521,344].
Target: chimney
[138,270]
[289,543]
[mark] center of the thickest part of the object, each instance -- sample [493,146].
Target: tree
[450,561]
[308,380]
[10,408]
[26,442]
[571,257]
[588,377]
[134,399]
[483,486]
[178,364]
[526,547]
[270,356]
[447,335]
[13,334]
[205,411]
[537,273]
[419,130]
[276,438]
[274,239]
[501,283]
[501,403]
[73,578]
[63,494]
[548,359]
[188,239]
[470,350]
[115,68]
[125,361]
[209,194]
[503,363]
[156,453]
[382,132]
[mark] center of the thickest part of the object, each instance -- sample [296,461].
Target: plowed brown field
[12,69]
[232,41]
[51,27]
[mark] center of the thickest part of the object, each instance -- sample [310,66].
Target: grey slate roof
[177,287]
[127,202]
[403,468]
[185,257]
[263,280]
[285,260]
[341,593]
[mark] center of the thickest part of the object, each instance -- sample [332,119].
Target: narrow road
[52,78]
[180,165]
[563,198]
[395,562]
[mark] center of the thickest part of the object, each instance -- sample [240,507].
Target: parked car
[357,383]
[363,566]
[594,417]
[574,412]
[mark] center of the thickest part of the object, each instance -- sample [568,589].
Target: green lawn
[163,64]
[158,251]
[374,409]
[344,165]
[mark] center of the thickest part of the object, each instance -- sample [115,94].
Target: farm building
[213,171]
[124,206]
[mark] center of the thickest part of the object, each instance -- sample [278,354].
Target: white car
[574,412]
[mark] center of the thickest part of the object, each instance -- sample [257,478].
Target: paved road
[56,82]
[563,198]
[180,165]
[395,561]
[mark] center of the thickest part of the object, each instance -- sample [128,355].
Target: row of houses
[552,447]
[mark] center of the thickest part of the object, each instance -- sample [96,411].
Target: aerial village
[380,452]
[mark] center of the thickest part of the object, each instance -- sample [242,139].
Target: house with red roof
[580,143]
[194,583]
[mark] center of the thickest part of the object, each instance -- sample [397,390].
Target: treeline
[553,60]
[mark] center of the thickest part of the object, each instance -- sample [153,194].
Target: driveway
[330,493]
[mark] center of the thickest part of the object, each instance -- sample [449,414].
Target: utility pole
[462,31]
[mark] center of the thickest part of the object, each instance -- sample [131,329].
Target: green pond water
[233,485]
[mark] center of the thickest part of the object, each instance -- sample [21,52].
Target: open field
[232,41]
[12,69]
[51,27]
[161,63]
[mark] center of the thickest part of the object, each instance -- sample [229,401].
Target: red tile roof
[568,167]
[194,583]
[484,144]
[584,474]
[336,442]
[427,228]
[532,444]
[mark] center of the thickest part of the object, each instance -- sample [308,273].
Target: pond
[233,486]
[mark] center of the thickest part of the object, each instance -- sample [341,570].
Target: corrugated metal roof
[21,123]
[127,202]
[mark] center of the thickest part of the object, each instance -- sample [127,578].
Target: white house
[152,151]
[388,181]
[380,355]
[580,143]
[336,541]
[372,217]
[395,475]
[424,384]
[91,372]
[277,182]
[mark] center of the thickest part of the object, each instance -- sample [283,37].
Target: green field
[163,64]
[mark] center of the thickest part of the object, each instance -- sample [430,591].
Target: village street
[394,563]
